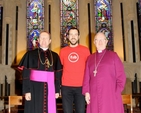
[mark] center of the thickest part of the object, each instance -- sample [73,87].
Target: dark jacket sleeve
[26,81]
[58,73]
[24,65]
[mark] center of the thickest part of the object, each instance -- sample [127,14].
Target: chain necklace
[96,66]
[46,60]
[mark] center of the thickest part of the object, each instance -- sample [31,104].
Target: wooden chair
[127,99]
[14,100]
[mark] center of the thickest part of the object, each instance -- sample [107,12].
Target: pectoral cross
[47,63]
[95,72]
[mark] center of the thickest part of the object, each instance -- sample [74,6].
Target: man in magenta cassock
[104,79]
[41,72]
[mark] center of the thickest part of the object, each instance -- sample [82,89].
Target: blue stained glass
[69,18]
[35,22]
[140,7]
[103,17]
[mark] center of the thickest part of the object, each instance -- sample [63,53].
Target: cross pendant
[95,72]
[47,63]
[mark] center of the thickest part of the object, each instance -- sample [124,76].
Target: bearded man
[73,59]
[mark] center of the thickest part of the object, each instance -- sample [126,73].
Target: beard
[73,42]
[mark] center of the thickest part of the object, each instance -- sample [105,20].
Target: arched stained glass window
[35,22]
[69,18]
[103,17]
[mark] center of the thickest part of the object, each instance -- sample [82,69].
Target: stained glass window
[1,20]
[69,18]
[140,18]
[35,22]
[0,12]
[103,17]
[140,7]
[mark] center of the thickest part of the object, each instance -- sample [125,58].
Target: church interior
[22,20]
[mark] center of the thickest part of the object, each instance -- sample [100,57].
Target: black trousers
[72,98]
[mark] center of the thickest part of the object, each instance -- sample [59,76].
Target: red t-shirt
[73,60]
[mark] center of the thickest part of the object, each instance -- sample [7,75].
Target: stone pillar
[9,8]
[55,24]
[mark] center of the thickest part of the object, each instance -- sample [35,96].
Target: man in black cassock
[41,71]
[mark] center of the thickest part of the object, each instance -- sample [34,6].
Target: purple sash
[45,76]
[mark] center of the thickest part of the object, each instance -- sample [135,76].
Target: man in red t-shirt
[73,59]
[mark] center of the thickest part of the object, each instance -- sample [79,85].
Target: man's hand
[56,95]
[87,98]
[28,96]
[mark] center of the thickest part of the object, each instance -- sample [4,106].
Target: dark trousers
[72,95]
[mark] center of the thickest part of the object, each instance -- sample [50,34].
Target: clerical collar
[99,51]
[44,48]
